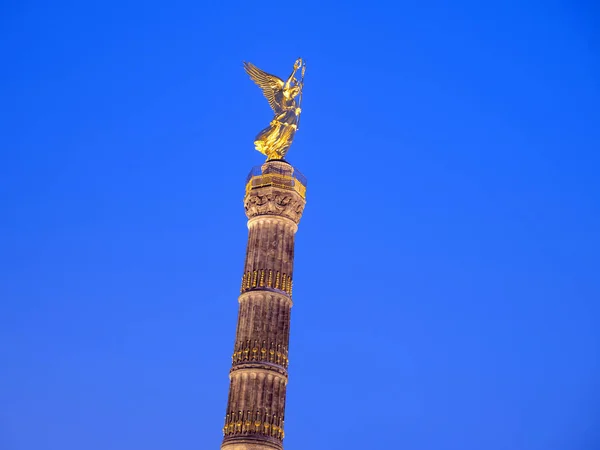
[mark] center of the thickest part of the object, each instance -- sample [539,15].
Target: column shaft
[255,412]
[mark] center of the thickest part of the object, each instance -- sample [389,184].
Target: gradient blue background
[446,283]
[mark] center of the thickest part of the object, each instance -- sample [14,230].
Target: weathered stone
[255,414]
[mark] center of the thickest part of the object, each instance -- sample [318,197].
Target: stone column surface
[274,202]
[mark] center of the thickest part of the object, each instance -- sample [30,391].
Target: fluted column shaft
[258,378]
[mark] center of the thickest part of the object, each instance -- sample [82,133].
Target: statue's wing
[271,85]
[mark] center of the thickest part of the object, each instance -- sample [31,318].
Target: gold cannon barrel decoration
[266,278]
[258,422]
[249,351]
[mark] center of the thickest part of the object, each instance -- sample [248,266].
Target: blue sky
[446,282]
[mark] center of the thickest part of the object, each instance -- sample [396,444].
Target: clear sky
[446,283]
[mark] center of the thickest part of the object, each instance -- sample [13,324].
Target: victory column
[274,202]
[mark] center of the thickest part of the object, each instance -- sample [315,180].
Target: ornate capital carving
[269,200]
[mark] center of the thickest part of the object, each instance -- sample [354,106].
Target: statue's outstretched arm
[292,78]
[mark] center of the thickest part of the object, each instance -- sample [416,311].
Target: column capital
[275,189]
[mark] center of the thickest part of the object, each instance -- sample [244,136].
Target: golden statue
[275,140]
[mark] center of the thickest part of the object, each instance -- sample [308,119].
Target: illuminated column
[275,199]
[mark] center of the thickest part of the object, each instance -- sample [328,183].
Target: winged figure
[275,140]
